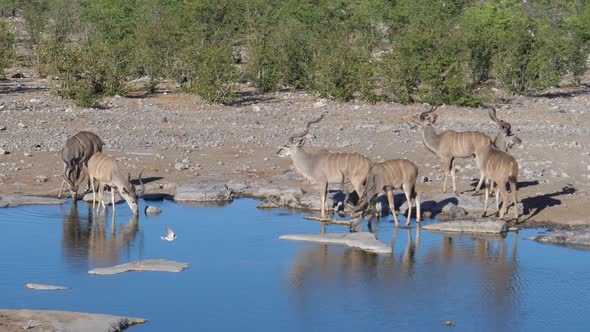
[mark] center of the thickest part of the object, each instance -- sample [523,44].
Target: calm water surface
[242,277]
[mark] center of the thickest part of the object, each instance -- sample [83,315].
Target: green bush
[7,43]
[407,50]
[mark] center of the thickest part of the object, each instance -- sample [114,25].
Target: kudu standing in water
[384,177]
[451,144]
[324,167]
[75,155]
[104,169]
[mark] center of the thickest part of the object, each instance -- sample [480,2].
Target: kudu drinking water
[75,155]
[451,144]
[104,169]
[324,167]
[385,177]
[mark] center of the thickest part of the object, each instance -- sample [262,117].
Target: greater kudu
[324,167]
[104,169]
[75,155]
[384,177]
[500,167]
[451,144]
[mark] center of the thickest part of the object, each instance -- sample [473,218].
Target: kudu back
[104,169]
[384,177]
[324,167]
[75,155]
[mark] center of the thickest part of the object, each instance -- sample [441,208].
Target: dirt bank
[178,139]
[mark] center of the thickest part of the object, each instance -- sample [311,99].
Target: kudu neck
[431,137]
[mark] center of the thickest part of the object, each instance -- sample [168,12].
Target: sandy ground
[161,132]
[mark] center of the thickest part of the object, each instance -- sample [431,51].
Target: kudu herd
[82,155]
[372,180]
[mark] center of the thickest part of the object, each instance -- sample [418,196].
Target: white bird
[170,236]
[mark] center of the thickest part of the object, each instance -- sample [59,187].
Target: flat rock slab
[106,198]
[363,240]
[45,287]
[570,238]
[204,191]
[18,200]
[44,320]
[151,265]
[488,226]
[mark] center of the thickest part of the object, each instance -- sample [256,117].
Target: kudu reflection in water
[95,237]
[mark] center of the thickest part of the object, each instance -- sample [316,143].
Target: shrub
[7,43]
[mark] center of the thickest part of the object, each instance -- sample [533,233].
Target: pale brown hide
[500,167]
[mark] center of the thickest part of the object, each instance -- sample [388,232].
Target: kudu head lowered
[505,139]
[131,194]
[297,141]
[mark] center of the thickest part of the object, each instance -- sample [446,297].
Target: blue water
[242,277]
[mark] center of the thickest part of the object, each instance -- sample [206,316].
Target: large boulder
[107,198]
[572,238]
[18,200]
[204,191]
[363,240]
[468,202]
[45,320]
[490,226]
[158,265]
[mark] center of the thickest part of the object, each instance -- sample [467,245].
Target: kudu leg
[323,194]
[514,198]
[93,193]
[418,211]
[63,182]
[409,200]
[504,200]
[446,170]
[113,191]
[487,196]
[497,197]
[453,175]
[391,206]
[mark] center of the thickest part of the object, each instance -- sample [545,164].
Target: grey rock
[452,212]
[363,240]
[204,191]
[152,210]
[150,265]
[27,154]
[180,166]
[41,179]
[572,238]
[17,200]
[107,198]
[2,152]
[490,226]
[466,201]
[2,128]
[45,287]
[68,321]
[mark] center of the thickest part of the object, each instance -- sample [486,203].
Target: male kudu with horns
[104,169]
[451,144]
[324,167]
[75,155]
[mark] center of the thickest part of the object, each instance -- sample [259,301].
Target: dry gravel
[179,139]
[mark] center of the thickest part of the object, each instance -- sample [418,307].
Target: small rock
[180,166]
[2,151]
[41,179]
[2,128]
[424,179]
[22,125]
[152,210]
[28,154]
[164,119]
[45,287]
[220,163]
